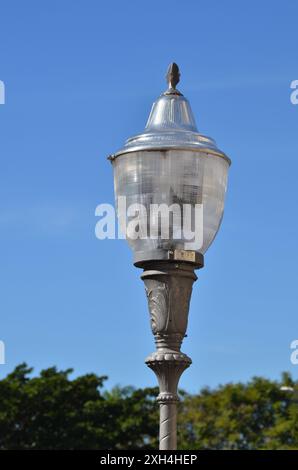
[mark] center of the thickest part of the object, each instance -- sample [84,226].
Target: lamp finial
[173,77]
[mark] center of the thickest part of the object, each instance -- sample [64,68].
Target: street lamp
[169,166]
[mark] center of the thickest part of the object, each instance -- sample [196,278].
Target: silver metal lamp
[171,165]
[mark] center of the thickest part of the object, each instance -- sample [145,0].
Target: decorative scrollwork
[158,302]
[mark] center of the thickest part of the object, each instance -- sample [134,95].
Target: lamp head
[173,167]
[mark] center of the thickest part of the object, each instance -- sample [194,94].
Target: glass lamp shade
[180,177]
[174,166]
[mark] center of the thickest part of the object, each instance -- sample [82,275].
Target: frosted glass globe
[182,177]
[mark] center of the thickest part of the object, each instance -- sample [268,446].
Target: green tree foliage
[257,415]
[51,411]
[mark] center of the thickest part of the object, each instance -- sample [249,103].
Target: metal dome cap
[171,125]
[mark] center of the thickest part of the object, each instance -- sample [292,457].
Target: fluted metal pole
[168,286]
[168,426]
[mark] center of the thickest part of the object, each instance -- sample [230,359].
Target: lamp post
[170,165]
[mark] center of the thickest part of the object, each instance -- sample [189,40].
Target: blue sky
[80,78]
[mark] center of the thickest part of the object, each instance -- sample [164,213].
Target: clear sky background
[80,78]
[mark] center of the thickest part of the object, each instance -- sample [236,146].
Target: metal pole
[168,426]
[168,287]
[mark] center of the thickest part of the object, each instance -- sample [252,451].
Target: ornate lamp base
[168,287]
[168,367]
